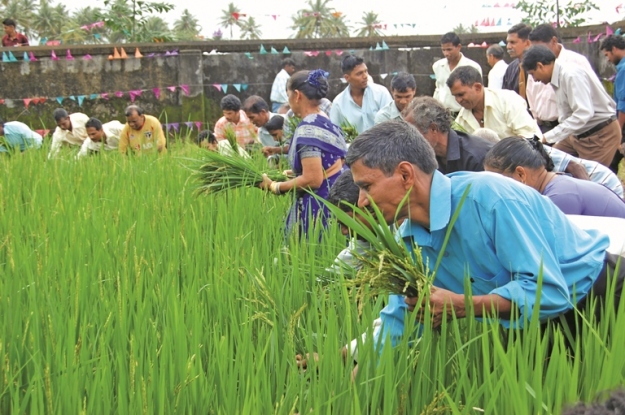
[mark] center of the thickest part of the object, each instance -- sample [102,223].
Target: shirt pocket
[485,283]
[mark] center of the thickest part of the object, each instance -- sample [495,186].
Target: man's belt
[549,124]
[596,128]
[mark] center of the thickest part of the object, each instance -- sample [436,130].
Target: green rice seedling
[349,131]
[231,137]
[219,173]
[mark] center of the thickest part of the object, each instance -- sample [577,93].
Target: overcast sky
[428,17]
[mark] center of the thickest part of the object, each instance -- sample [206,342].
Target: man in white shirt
[450,45]
[403,90]
[278,89]
[494,56]
[100,136]
[361,100]
[586,113]
[258,113]
[500,110]
[70,129]
[541,97]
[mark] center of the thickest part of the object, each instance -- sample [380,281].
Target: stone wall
[89,85]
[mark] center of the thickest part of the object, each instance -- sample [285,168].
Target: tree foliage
[570,14]
[319,20]
[187,27]
[462,29]
[230,17]
[130,17]
[369,25]
[250,29]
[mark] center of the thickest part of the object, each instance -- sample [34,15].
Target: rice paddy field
[123,293]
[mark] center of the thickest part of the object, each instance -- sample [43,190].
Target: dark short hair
[206,135]
[9,22]
[522,30]
[299,82]
[425,111]
[450,37]
[612,41]
[288,62]
[512,152]
[496,51]
[59,114]
[543,33]
[255,104]
[403,81]
[343,191]
[230,103]
[275,123]
[94,123]
[537,54]
[467,75]
[130,109]
[349,62]
[387,144]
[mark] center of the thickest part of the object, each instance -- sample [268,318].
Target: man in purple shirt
[12,38]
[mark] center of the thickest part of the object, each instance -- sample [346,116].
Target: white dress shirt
[582,101]
[505,112]
[345,109]
[75,137]
[496,73]
[112,131]
[442,71]
[278,89]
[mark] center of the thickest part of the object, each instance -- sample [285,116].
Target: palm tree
[460,29]
[370,24]
[154,29]
[86,16]
[319,20]
[230,17]
[187,27]
[48,20]
[22,12]
[250,29]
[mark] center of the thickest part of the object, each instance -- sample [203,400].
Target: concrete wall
[195,67]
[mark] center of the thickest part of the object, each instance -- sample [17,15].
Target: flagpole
[557,14]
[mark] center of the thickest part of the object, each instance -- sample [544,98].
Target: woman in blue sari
[316,152]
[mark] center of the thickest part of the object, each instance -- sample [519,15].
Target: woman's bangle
[275,187]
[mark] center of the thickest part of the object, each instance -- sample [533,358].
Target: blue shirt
[18,135]
[345,109]
[619,86]
[504,232]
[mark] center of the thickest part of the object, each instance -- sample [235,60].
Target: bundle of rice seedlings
[349,131]
[289,127]
[219,173]
[231,137]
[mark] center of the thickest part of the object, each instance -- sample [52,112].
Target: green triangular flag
[384,46]
[274,51]
[26,58]
[249,55]
[262,50]
[378,47]
[370,47]
[286,51]
[5,58]
[12,57]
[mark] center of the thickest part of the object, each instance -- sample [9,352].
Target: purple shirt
[583,197]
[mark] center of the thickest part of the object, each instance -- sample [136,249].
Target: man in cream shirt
[101,136]
[70,129]
[502,111]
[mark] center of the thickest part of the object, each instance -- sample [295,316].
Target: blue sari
[315,136]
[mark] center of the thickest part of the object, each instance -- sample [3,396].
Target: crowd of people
[543,120]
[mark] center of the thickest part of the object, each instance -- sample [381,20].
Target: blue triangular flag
[73,98]
[499,22]
[617,31]
[286,51]
[96,35]
[60,100]
[249,55]
[384,46]
[502,44]
[394,73]
[81,98]
[26,58]
[262,50]
[274,51]
[433,76]
[224,87]
[370,47]
[237,87]
[93,96]
[5,58]
[12,57]
[244,87]
[378,47]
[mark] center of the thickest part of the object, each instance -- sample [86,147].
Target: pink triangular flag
[308,53]
[274,16]
[608,31]
[328,53]
[589,40]
[189,125]
[27,102]
[119,94]
[172,88]
[217,86]
[87,57]
[176,126]
[53,56]
[134,94]
[104,95]
[198,124]
[484,44]
[32,57]
[492,22]
[577,40]
[35,101]
[596,38]
[315,53]
[185,88]
[338,52]
[69,56]
[157,92]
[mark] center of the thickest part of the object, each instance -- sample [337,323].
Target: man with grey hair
[512,248]
[455,150]
[494,56]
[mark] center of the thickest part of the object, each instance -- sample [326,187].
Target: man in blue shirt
[613,47]
[361,100]
[17,135]
[504,236]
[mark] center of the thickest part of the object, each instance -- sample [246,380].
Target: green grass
[122,293]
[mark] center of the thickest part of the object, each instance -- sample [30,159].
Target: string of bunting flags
[8,56]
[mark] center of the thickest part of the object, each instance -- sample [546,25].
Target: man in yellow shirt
[142,133]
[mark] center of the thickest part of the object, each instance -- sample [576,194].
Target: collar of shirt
[555,76]
[620,65]
[440,214]
[453,146]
